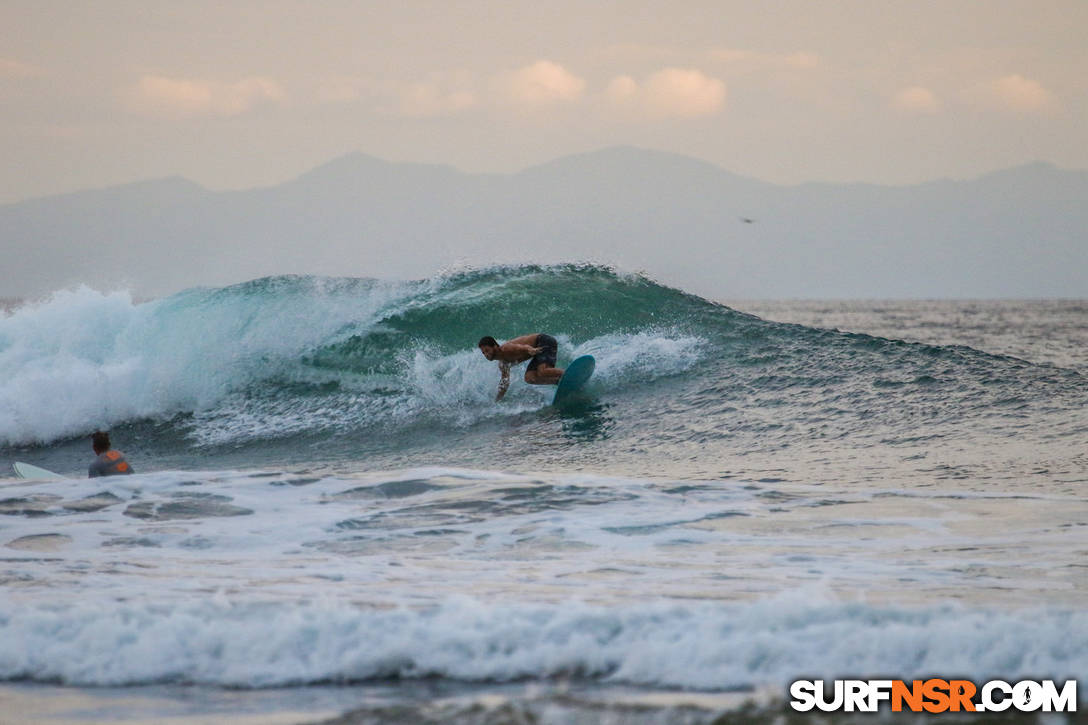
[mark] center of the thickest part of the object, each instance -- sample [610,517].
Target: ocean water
[331,516]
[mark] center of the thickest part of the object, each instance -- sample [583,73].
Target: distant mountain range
[1022,232]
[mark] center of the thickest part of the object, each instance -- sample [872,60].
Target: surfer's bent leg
[543,376]
[542,369]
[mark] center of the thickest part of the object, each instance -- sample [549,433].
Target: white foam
[85,359]
[697,646]
[643,356]
[633,580]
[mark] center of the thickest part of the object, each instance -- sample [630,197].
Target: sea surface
[332,518]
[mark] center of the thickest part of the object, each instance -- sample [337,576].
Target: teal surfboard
[574,378]
[33,473]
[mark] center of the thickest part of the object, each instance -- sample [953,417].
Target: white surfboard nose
[29,472]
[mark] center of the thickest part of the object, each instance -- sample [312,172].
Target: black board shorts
[548,353]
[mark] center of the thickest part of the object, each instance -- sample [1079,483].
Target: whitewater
[329,505]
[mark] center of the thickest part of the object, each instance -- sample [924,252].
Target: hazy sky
[237,94]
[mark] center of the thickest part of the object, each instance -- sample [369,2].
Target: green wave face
[579,302]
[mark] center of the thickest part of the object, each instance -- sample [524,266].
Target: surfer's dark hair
[487,340]
[100,440]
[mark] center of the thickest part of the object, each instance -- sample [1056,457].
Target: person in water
[539,349]
[109,461]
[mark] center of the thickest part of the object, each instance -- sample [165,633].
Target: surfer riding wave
[539,349]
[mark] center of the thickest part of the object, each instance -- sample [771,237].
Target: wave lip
[712,647]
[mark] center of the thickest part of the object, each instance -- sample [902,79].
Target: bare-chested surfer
[539,349]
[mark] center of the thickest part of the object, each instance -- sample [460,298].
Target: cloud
[1020,94]
[174,95]
[544,83]
[670,92]
[180,97]
[916,99]
[11,68]
[683,92]
[242,96]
